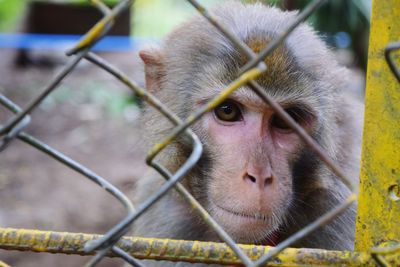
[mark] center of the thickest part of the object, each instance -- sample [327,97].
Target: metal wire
[109,242]
[255,60]
[389,59]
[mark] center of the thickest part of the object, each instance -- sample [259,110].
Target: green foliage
[155,18]
[81,2]
[349,16]
[10,12]
[340,15]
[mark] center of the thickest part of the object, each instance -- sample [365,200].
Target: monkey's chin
[246,228]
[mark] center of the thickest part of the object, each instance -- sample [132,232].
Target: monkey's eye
[228,111]
[297,114]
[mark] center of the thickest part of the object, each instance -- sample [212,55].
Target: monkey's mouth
[248,227]
[256,216]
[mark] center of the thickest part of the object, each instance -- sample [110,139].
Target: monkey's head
[255,167]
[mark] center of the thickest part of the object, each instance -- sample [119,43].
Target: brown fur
[193,64]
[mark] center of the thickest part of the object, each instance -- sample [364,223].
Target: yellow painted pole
[378,219]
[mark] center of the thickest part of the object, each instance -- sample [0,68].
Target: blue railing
[64,41]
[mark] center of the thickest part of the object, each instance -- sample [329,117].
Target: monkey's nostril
[252,178]
[261,182]
[268,180]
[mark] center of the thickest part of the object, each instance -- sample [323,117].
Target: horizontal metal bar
[180,250]
[388,50]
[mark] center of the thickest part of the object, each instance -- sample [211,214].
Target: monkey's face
[253,154]
[250,186]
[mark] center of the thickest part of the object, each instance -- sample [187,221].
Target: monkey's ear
[153,68]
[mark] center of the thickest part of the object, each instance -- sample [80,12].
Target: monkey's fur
[191,66]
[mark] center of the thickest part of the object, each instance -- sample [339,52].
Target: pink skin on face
[257,182]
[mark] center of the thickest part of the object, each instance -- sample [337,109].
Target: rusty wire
[185,250]
[255,66]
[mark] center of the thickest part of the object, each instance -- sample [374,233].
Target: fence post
[378,218]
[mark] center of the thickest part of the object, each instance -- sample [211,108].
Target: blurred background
[92,117]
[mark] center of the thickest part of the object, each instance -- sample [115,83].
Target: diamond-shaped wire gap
[179,129]
[116,232]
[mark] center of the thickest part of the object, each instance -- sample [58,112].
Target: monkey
[256,177]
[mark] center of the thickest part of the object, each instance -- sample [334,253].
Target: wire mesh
[103,246]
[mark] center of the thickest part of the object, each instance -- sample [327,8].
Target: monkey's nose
[260,181]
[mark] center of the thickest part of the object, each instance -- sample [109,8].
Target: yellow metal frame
[378,218]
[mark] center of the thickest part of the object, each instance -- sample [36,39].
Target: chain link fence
[131,249]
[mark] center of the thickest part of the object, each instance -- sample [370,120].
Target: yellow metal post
[378,217]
